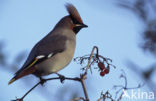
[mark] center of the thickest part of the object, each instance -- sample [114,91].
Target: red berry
[106,70]
[102,73]
[101,66]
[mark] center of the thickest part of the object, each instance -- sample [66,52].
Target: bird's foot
[62,77]
[42,81]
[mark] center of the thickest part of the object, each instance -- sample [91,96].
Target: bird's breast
[58,61]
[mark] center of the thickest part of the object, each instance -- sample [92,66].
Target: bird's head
[73,20]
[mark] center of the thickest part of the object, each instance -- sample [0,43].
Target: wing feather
[49,44]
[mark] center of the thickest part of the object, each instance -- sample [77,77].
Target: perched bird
[55,51]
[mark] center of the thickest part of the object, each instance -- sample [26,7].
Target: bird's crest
[73,13]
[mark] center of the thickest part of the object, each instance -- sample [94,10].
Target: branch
[77,99]
[83,76]
[45,80]
[91,55]
[105,96]
[124,87]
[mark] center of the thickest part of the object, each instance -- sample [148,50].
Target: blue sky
[115,31]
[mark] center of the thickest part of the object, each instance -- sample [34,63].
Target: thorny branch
[92,58]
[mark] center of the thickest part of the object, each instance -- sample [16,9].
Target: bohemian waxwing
[55,51]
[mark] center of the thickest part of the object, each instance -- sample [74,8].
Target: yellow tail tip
[11,81]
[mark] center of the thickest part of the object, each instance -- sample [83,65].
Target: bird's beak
[81,25]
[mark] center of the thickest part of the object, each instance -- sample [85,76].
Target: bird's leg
[42,81]
[62,78]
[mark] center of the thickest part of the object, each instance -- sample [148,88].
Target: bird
[55,51]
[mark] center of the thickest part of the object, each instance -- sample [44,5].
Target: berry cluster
[103,70]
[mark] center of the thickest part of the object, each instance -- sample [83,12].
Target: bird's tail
[12,80]
[15,78]
[22,74]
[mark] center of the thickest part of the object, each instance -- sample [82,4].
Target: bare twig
[77,99]
[83,76]
[91,55]
[29,91]
[84,88]
[45,80]
[121,87]
[105,96]
[92,58]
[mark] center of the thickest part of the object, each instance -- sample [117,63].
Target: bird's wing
[47,47]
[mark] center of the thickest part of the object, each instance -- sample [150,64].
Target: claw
[42,81]
[62,78]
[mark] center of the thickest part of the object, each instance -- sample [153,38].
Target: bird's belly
[57,62]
